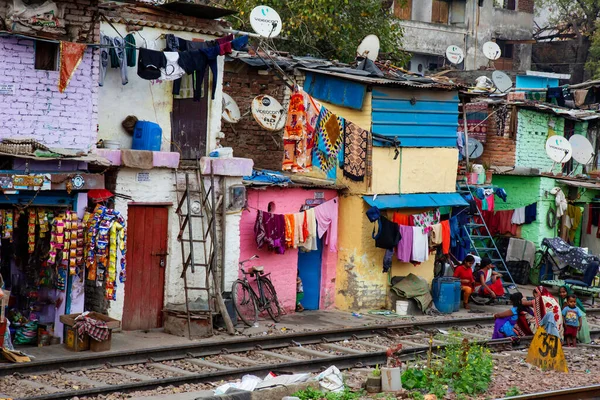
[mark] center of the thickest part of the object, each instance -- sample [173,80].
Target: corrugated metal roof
[570,113]
[418,200]
[416,82]
[163,25]
[204,9]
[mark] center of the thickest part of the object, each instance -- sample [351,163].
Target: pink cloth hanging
[327,220]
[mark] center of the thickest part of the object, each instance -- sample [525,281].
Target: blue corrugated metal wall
[432,120]
[340,92]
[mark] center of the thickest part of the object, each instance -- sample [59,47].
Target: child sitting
[572,315]
[299,294]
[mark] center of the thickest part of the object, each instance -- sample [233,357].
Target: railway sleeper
[204,363]
[169,368]
[283,357]
[342,349]
[310,352]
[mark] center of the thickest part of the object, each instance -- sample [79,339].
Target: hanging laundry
[446,237]
[426,219]
[172,71]
[420,250]
[574,215]
[435,236]
[269,230]
[326,215]
[388,234]
[295,153]
[502,194]
[312,108]
[310,243]
[355,152]
[104,56]
[401,219]
[518,217]
[530,213]
[71,55]
[387,260]
[560,200]
[299,229]
[505,225]
[329,141]
[290,225]
[130,50]
[150,63]
[477,113]
[405,245]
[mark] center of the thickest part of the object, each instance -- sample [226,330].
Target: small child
[572,315]
[299,293]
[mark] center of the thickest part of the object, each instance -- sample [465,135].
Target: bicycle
[249,303]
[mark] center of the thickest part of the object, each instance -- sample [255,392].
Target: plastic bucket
[402,307]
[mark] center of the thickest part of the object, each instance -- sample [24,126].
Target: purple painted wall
[37,109]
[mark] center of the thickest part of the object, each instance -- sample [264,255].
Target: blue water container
[147,136]
[435,288]
[444,302]
[457,295]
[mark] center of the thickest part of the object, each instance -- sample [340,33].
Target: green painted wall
[532,133]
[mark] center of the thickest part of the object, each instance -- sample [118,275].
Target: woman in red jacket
[464,272]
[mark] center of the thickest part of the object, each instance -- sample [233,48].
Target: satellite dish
[455,54]
[583,151]
[502,81]
[231,111]
[268,112]
[369,48]
[265,21]
[475,148]
[559,149]
[491,50]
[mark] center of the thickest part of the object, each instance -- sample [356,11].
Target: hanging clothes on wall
[530,213]
[386,233]
[425,220]
[420,250]
[355,152]
[310,243]
[326,215]
[328,153]
[296,157]
[405,245]
[269,230]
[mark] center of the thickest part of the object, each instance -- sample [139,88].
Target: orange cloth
[289,229]
[446,237]
[71,55]
[305,231]
[401,219]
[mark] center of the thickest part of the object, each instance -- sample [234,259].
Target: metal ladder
[196,210]
[482,242]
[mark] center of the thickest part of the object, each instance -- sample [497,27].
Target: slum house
[247,77]
[413,121]
[431,26]
[184,127]
[48,127]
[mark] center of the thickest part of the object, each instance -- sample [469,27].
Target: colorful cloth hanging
[356,142]
[330,139]
[71,55]
[295,154]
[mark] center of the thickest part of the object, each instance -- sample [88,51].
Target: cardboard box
[76,343]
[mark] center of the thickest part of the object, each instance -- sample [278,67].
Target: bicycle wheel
[271,302]
[244,302]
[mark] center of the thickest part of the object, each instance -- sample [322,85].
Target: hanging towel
[420,251]
[326,215]
[530,213]
[518,217]
[290,225]
[299,229]
[355,152]
[405,246]
[310,243]
[436,234]
[446,237]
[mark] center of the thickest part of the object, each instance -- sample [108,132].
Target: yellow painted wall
[361,118]
[386,171]
[428,170]
[360,283]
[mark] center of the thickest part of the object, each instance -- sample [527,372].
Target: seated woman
[583,336]
[513,322]
[487,281]
[464,272]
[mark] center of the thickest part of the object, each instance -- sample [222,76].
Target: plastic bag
[27,334]
[331,380]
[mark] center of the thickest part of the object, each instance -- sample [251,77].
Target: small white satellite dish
[559,149]
[268,112]
[502,81]
[455,54]
[491,50]
[369,47]
[231,111]
[265,21]
[475,148]
[583,151]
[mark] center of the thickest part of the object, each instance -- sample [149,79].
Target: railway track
[203,364]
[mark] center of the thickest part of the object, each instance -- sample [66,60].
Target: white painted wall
[149,101]
[161,189]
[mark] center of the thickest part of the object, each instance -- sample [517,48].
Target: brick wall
[38,110]
[499,150]
[247,138]
[527,6]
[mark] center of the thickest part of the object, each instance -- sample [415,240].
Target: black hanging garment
[388,235]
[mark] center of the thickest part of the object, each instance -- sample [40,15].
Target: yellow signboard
[546,352]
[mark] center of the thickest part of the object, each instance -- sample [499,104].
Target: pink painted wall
[284,267]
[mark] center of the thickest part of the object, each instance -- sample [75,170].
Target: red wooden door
[146,259]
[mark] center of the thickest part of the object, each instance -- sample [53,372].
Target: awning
[420,200]
[580,184]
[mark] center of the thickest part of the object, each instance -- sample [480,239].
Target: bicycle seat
[258,268]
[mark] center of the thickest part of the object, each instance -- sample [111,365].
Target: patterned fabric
[329,137]
[356,142]
[296,158]
[476,115]
[544,303]
[95,329]
[426,219]
[575,257]
[71,55]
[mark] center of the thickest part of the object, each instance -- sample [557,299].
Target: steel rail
[578,393]
[212,347]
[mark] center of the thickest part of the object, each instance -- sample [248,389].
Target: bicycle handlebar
[241,263]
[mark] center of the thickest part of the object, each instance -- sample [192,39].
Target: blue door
[309,268]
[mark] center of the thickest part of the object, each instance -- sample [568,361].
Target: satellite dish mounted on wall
[491,50]
[502,81]
[265,21]
[583,151]
[558,149]
[475,148]
[268,112]
[369,47]
[455,54]
[231,111]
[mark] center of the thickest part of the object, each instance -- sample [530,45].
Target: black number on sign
[549,345]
